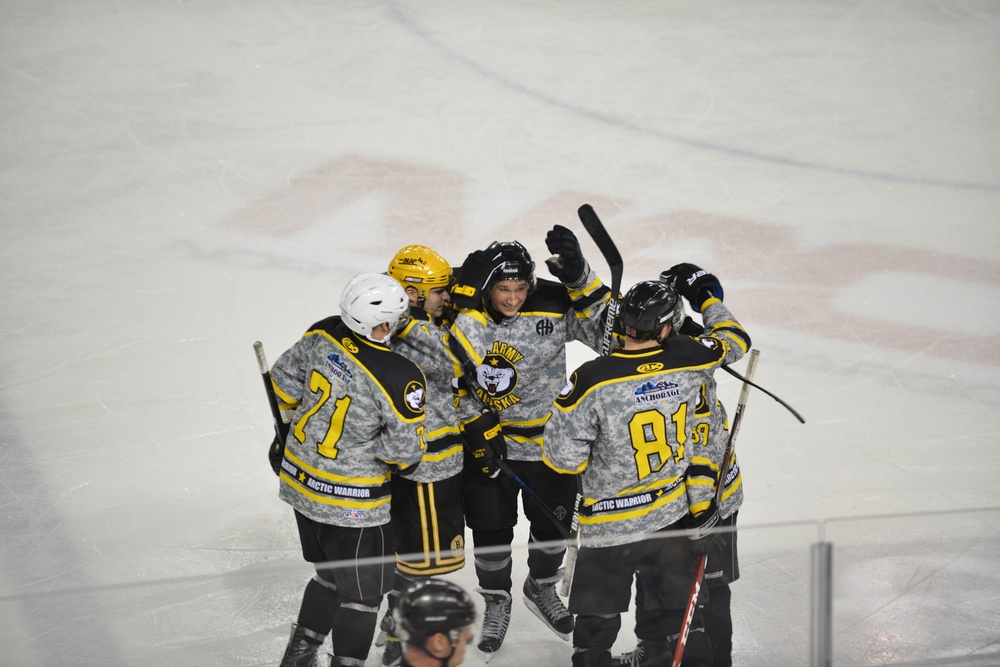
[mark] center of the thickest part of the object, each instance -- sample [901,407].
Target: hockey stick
[277,449]
[760,388]
[600,236]
[609,250]
[723,472]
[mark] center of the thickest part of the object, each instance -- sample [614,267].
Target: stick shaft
[280,427]
[723,473]
[599,234]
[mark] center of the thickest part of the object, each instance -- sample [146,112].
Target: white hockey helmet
[371,299]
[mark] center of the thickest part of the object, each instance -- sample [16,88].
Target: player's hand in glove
[484,442]
[568,266]
[471,280]
[693,283]
[276,452]
[705,540]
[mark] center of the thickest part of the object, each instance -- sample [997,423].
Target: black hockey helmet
[430,606]
[512,262]
[646,307]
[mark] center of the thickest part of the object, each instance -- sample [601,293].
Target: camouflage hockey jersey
[704,472]
[422,342]
[358,412]
[520,363]
[639,425]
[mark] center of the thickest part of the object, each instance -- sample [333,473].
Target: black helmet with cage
[646,307]
[430,606]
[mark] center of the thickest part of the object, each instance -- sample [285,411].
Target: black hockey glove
[484,442]
[690,328]
[705,540]
[276,452]
[569,267]
[471,280]
[693,283]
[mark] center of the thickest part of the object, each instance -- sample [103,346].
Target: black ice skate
[541,598]
[302,648]
[393,649]
[646,654]
[496,618]
[384,628]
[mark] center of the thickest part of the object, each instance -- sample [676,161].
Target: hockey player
[634,424]
[427,515]
[358,419]
[510,334]
[434,618]
[723,568]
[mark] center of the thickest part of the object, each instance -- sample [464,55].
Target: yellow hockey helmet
[420,267]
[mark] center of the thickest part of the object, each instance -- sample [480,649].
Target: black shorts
[602,580]
[429,525]
[724,568]
[491,504]
[342,547]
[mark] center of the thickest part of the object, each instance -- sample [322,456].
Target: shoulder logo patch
[349,345]
[649,368]
[414,396]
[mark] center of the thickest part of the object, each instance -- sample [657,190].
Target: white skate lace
[550,604]
[495,618]
[630,659]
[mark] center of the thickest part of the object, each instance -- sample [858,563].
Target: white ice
[180,179]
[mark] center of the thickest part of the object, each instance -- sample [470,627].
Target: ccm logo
[650,368]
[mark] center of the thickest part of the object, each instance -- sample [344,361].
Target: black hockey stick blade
[609,250]
[757,386]
[596,229]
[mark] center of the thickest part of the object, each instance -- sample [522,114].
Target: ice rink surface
[180,179]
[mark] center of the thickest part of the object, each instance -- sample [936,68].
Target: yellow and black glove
[484,442]
[472,279]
